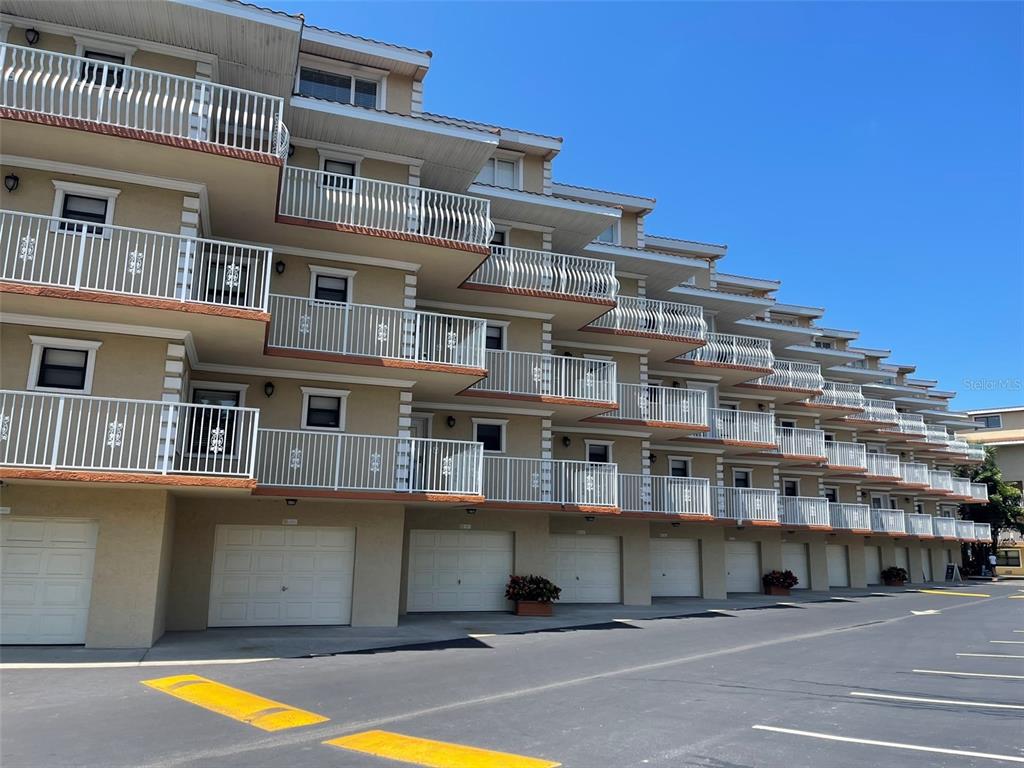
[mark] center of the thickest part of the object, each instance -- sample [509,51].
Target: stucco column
[712,563]
[914,560]
[771,551]
[888,550]
[938,556]
[636,563]
[818,565]
[858,564]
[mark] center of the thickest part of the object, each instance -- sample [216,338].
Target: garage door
[47,568]
[795,559]
[903,560]
[743,566]
[587,568]
[873,564]
[838,565]
[926,564]
[675,568]
[459,570]
[272,575]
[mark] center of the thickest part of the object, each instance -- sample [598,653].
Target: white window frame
[611,450]
[687,460]
[64,188]
[380,76]
[788,423]
[875,448]
[997,416]
[39,343]
[748,470]
[710,388]
[341,394]
[782,485]
[223,386]
[85,45]
[826,488]
[830,437]
[919,508]
[505,230]
[732,405]
[427,418]
[349,274]
[503,324]
[616,228]
[506,156]
[503,423]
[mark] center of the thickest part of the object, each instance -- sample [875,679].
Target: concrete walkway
[429,631]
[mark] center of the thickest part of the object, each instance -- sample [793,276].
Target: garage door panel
[270,537]
[233,562]
[795,558]
[25,532]
[837,556]
[303,562]
[587,568]
[743,566]
[459,570]
[77,562]
[235,536]
[301,537]
[675,568]
[902,559]
[23,563]
[269,562]
[873,564]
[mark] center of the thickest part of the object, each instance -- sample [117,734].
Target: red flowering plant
[783,579]
[531,588]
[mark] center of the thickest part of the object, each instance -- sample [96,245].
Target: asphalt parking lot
[904,679]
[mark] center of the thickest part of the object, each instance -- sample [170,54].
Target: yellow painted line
[433,754]
[952,594]
[265,714]
[1016,597]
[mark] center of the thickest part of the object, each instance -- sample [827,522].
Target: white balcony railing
[911,424]
[962,487]
[726,349]
[550,481]
[937,435]
[965,530]
[976,453]
[75,88]
[800,442]
[49,251]
[364,203]
[540,374]
[788,374]
[919,525]
[850,517]
[664,494]
[883,465]
[331,461]
[958,446]
[76,432]
[667,405]
[979,492]
[838,394]
[983,532]
[940,480]
[888,521]
[740,426]
[804,511]
[914,474]
[944,527]
[743,504]
[330,327]
[878,411]
[641,315]
[852,455]
[529,271]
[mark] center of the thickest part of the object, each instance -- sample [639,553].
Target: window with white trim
[832,494]
[990,421]
[500,236]
[215,422]
[822,344]
[340,87]
[331,284]
[339,174]
[787,423]
[495,338]
[324,409]
[610,235]
[62,365]
[679,466]
[501,172]
[918,508]
[790,486]
[599,452]
[83,208]
[108,70]
[490,432]
[742,478]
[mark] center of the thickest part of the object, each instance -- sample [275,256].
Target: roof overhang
[837,333]
[675,245]
[781,334]
[632,203]
[661,270]
[727,307]
[370,53]
[857,375]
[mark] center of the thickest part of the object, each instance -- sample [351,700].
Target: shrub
[895,573]
[531,587]
[784,579]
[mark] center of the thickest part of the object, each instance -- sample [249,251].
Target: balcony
[975,453]
[909,425]
[944,527]
[734,357]
[836,396]
[983,532]
[851,457]
[979,493]
[368,206]
[745,429]
[804,511]
[940,481]
[640,316]
[800,444]
[46,255]
[936,437]
[884,465]
[44,436]
[962,489]
[889,521]
[920,525]
[960,448]
[670,408]
[87,94]
[791,376]
[661,494]
[850,517]
[575,485]
[332,464]
[915,475]
[547,378]
[965,530]
[876,413]
[756,506]
[526,272]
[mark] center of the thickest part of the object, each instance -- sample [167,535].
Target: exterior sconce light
[450,421]
[760,407]
[566,441]
[675,524]
[31,35]
[11,182]
[268,389]
[589,518]
[654,458]
[279,267]
[471,510]
[291,502]
[291,150]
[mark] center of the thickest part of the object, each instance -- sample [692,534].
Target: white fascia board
[674,244]
[984,411]
[245,11]
[757,283]
[710,293]
[485,190]
[755,324]
[605,198]
[799,309]
[549,143]
[368,47]
[638,253]
[838,333]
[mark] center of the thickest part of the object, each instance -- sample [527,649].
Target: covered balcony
[940,482]
[959,449]
[836,396]
[850,517]
[739,429]
[909,426]
[883,466]
[915,476]
[876,413]
[734,358]
[983,532]
[965,530]
[845,457]
[979,493]
[920,525]
[800,444]
[888,521]
[671,327]
[550,483]
[101,439]
[790,380]
[804,512]
[666,410]
[753,506]
[961,489]
[944,527]
[544,274]
[687,497]
[338,465]
[975,454]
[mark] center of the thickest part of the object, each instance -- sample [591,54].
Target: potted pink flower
[533,595]
[779,582]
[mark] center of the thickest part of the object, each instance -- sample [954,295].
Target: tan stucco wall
[526,238]
[635,536]
[370,285]
[159,62]
[625,451]
[369,168]
[762,476]
[712,553]
[522,433]
[1010,459]
[377,561]
[701,464]
[399,94]
[126,604]
[533,173]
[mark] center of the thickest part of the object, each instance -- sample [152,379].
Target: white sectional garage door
[587,568]
[795,559]
[873,564]
[926,564]
[675,568]
[459,570]
[743,566]
[46,566]
[838,565]
[903,561]
[273,575]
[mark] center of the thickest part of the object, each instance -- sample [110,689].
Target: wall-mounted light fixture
[268,389]
[760,407]
[291,150]
[279,267]
[450,421]
[291,502]
[11,182]
[654,458]
[675,385]
[471,510]
[589,518]
[566,441]
[675,524]
[31,35]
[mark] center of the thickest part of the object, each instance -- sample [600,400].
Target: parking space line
[991,655]
[1016,597]
[967,674]
[894,697]
[891,744]
[953,594]
[259,712]
[1007,642]
[433,754]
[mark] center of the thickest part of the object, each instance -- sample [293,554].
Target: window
[1008,558]
[790,487]
[331,284]
[490,432]
[918,508]
[787,423]
[87,208]
[599,452]
[500,172]
[341,88]
[500,237]
[992,421]
[324,409]
[345,168]
[729,406]
[610,235]
[830,437]
[495,338]
[107,71]
[678,466]
[879,500]
[62,365]
[832,494]
[741,478]
[212,429]
[820,344]
[227,280]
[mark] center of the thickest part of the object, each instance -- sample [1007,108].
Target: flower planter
[533,608]
[777,591]
[893,582]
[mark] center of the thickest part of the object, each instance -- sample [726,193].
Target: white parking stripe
[967,674]
[891,744]
[1007,642]
[893,697]
[990,655]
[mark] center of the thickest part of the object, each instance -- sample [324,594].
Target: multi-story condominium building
[280,347]
[1001,429]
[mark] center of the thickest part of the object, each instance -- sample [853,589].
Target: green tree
[1002,511]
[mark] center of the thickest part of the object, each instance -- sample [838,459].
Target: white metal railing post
[58,432]
[170,437]
[81,259]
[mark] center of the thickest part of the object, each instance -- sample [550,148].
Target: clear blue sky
[869,155]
